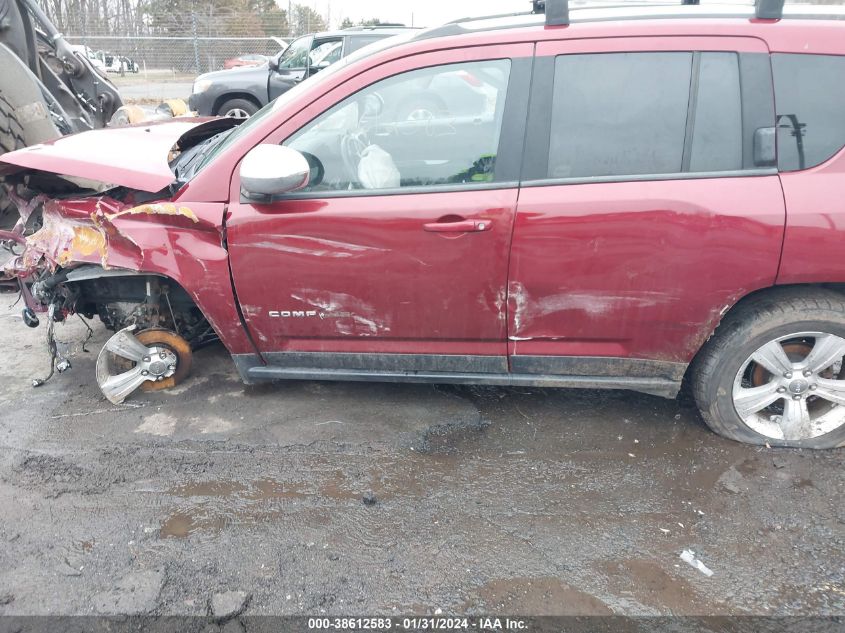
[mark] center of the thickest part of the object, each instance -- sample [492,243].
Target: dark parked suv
[631,199]
[241,92]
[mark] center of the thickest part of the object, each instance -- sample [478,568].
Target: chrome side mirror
[272,170]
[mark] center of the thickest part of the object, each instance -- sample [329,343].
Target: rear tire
[237,108]
[11,138]
[738,370]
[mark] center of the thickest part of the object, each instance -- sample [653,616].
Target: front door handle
[459,226]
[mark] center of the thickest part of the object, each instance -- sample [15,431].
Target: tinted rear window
[810,104]
[619,114]
[717,135]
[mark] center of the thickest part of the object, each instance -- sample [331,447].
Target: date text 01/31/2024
[418,624]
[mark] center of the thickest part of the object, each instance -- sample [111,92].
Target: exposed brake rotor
[152,360]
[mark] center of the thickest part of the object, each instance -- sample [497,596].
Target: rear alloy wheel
[153,360]
[774,372]
[791,388]
[238,109]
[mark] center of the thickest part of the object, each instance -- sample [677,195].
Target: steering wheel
[352,146]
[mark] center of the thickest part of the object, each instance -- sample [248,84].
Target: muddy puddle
[537,596]
[209,506]
[183,524]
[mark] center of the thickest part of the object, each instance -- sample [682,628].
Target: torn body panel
[180,244]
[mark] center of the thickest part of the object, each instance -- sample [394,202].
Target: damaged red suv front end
[109,237]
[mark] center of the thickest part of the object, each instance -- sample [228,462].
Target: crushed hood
[135,157]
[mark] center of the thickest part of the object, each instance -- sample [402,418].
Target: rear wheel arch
[721,379]
[761,297]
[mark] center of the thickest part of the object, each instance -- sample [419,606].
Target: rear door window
[619,113]
[627,114]
[717,128]
[326,52]
[810,105]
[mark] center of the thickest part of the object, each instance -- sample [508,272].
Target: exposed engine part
[146,301]
[133,114]
[57,362]
[153,360]
[168,322]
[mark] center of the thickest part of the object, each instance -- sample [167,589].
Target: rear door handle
[459,226]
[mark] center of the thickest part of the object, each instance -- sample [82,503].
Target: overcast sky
[423,12]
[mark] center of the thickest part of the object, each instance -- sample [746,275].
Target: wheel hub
[158,364]
[798,387]
[164,366]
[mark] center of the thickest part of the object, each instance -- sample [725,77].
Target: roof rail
[768,9]
[488,17]
[557,11]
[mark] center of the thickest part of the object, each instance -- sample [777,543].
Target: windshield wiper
[193,156]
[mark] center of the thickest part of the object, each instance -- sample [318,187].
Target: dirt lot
[508,500]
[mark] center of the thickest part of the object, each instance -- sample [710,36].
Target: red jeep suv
[600,198]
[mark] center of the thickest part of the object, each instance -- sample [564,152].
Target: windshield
[313,83]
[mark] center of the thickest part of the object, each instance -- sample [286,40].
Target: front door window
[429,127]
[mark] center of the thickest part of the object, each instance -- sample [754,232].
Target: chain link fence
[175,56]
[180,42]
[149,69]
[156,56]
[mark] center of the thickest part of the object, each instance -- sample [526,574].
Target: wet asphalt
[313,498]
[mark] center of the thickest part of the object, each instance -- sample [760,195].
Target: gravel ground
[518,501]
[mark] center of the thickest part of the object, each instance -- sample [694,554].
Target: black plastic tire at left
[11,138]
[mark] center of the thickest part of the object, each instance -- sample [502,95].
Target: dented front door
[364,275]
[395,257]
